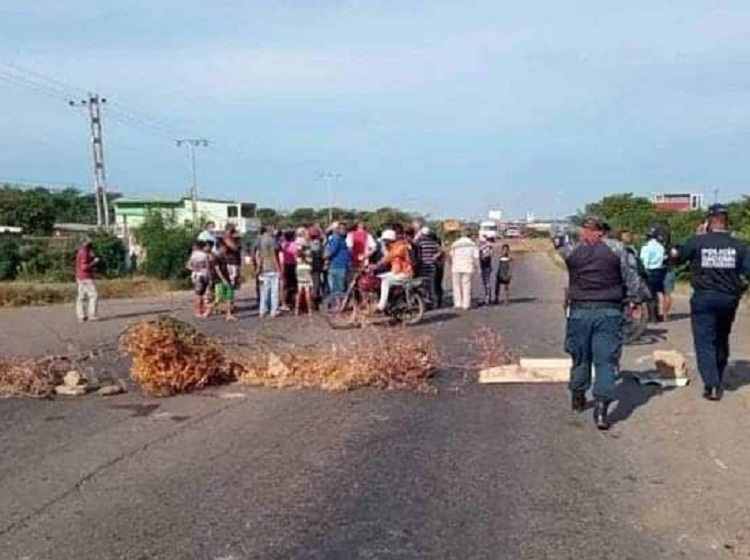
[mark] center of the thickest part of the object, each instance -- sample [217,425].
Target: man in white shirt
[208,235]
[464,263]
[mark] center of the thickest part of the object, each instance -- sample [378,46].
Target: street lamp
[329,177]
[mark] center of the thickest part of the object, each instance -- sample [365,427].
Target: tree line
[638,215]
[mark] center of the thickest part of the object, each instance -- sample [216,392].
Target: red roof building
[679,202]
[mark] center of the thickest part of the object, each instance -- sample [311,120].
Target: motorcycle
[358,305]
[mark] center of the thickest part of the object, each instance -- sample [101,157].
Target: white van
[488,230]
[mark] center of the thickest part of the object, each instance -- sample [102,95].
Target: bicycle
[358,305]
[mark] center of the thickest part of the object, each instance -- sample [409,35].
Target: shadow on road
[651,336]
[674,317]
[632,396]
[514,300]
[439,317]
[135,314]
[737,375]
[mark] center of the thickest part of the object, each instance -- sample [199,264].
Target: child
[304,282]
[198,265]
[223,280]
[504,275]
[485,264]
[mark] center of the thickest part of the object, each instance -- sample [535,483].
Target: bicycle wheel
[338,310]
[413,310]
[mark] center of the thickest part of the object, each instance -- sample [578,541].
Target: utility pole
[329,177]
[716,195]
[94,104]
[193,143]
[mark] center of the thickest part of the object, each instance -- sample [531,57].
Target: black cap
[718,210]
[593,221]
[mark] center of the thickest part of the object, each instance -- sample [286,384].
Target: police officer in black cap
[601,280]
[717,262]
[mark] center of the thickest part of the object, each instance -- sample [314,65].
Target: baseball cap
[388,235]
[718,210]
[592,221]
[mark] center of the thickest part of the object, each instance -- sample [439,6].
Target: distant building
[73,229]
[130,213]
[680,202]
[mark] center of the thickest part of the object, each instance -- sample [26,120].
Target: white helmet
[388,235]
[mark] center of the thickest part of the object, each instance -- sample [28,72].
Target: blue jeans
[337,280]
[594,337]
[269,293]
[711,316]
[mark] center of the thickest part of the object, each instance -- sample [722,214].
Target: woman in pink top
[289,252]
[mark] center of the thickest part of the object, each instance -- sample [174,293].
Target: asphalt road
[482,472]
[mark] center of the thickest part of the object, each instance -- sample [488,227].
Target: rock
[277,368]
[670,364]
[74,379]
[70,391]
[109,390]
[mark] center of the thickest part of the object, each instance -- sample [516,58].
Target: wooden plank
[518,374]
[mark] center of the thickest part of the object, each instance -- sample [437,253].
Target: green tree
[268,216]
[626,211]
[112,252]
[739,217]
[10,258]
[167,246]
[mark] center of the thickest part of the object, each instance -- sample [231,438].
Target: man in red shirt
[360,244]
[86,260]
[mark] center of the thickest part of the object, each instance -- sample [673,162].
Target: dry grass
[389,360]
[29,377]
[22,294]
[171,356]
[491,349]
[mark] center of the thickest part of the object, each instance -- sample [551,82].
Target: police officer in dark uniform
[717,261]
[601,280]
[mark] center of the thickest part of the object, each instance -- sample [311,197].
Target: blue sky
[445,107]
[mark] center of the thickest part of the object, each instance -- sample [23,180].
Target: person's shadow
[737,375]
[632,395]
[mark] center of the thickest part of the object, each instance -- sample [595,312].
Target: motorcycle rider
[398,259]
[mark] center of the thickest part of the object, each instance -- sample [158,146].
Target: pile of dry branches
[491,349]
[170,356]
[388,360]
[29,377]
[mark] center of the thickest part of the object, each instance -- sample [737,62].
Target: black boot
[600,415]
[578,400]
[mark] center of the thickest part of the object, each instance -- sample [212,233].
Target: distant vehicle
[513,232]
[488,230]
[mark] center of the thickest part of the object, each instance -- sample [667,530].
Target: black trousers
[439,278]
[712,315]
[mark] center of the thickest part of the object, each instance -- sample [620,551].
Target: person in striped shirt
[429,251]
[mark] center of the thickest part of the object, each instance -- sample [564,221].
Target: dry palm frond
[171,356]
[29,377]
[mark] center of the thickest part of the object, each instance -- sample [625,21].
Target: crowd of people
[294,270]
